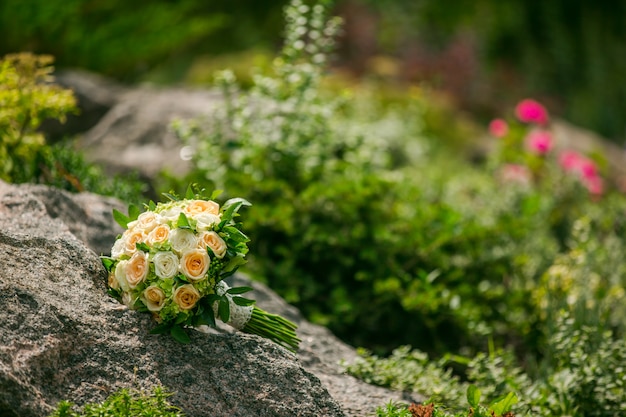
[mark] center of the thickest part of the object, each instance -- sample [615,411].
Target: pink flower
[570,160]
[515,173]
[531,111]
[585,169]
[594,185]
[539,141]
[574,162]
[588,169]
[498,128]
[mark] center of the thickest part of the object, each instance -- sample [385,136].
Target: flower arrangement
[172,259]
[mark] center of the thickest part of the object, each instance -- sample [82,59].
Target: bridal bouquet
[171,262]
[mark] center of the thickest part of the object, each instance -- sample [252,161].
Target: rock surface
[128,129]
[63,337]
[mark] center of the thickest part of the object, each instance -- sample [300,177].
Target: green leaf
[233,264]
[235,234]
[244,302]
[151,205]
[232,206]
[189,194]
[180,335]
[161,328]
[224,309]
[503,404]
[239,290]
[473,396]
[171,197]
[207,317]
[212,298]
[183,222]
[142,247]
[121,218]
[107,262]
[133,212]
[216,194]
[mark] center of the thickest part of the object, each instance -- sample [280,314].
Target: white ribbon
[239,315]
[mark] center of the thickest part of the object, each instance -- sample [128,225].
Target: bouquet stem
[273,327]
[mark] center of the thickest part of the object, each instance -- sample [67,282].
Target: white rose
[206,220]
[129,300]
[183,240]
[165,264]
[169,215]
[118,248]
[120,275]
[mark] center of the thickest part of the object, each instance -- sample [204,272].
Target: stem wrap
[239,315]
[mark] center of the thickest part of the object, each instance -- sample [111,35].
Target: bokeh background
[483,54]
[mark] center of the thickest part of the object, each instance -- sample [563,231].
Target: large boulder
[63,337]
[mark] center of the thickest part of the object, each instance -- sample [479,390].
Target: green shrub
[124,403]
[366,225]
[28,96]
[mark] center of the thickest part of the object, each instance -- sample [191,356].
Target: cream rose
[146,221]
[165,264]
[182,240]
[113,282]
[206,221]
[154,298]
[213,241]
[137,269]
[159,234]
[195,207]
[131,238]
[186,296]
[195,264]
[120,275]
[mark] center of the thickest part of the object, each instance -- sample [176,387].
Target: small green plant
[27,98]
[124,403]
[500,407]
[582,373]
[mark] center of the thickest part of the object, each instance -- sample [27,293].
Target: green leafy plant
[27,98]
[124,403]
[582,373]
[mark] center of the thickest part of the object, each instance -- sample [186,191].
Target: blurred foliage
[368,225]
[28,97]
[572,52]
[488,53]
[117,38]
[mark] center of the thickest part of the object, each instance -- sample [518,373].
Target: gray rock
[95,96]
[135,133]
[62,336]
